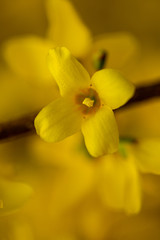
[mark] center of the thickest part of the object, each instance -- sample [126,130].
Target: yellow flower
[26,55]
[66,28]
[121,51]
[114,178]
[119,173]
[84,102]
[118,181]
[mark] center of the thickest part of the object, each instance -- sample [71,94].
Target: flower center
[88,101]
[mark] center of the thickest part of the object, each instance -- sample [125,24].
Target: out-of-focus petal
[146,69]
[121,48]
[13,195]
[147,153]
[58,120]
[119,183]
[112,87]
[27,56]
[69,74]
[18,98]
[66,28]
[100,132]
[136,120]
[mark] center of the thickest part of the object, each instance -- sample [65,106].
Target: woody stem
[25,125]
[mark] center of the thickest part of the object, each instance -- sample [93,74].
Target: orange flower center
[88,101]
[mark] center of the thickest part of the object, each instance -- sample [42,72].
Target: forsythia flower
[66,28]
[26,55]
[119,173]
[115,179]
[84,102]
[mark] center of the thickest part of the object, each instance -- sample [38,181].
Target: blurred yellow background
[93,221]
[140,17]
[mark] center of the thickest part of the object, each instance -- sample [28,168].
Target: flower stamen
[88,102]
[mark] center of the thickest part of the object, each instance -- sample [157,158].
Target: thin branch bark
[25,125]
[17,128]
[143,93]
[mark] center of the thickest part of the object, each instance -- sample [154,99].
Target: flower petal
[101,133]
[67,71]
[19,98]
[58,120]
[147,152]
[13,195]
[121,49]
[66,28]
[27,56]
[119,183]
[112,87]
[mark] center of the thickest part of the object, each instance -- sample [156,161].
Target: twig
[25,125]
[18,127]
[143,93]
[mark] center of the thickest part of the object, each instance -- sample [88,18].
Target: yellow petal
[101,133]
[112,87]
[147,153]
[27,56]
[146,70]
[13,195]
[58,120]
[121,49]
[66,28]
[119,183]
[18,97]
[67,71]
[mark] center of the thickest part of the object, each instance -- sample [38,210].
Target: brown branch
[143,93]
[18,127]
[25,125]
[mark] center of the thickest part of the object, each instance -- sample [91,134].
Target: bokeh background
[138,17]
[142,19]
